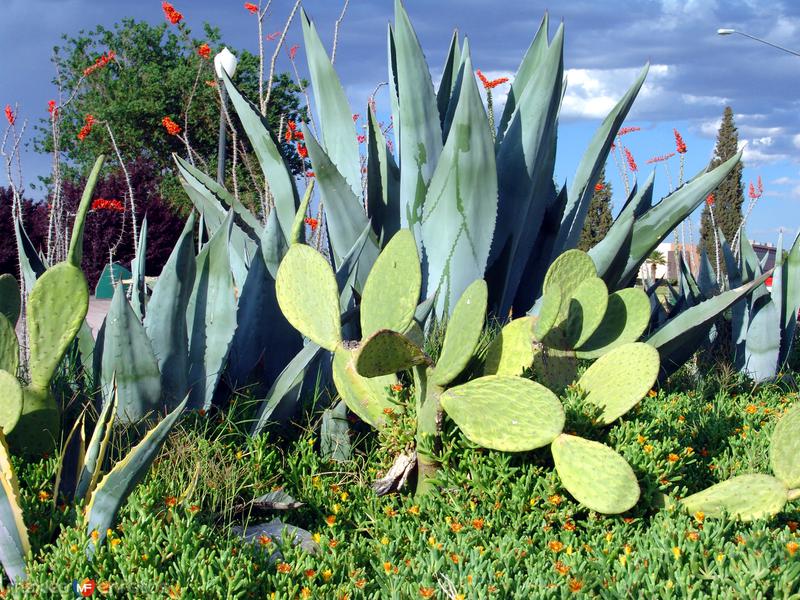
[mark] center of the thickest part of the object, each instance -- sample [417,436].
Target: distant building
[669,271]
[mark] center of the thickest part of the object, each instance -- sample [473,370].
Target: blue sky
[694,72]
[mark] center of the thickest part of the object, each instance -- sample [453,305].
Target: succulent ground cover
[502,526]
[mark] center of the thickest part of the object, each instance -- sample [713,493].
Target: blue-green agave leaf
[75,252]
[791,297]
[461,204]
[383,183]
[334,435]
[139,288]
[449,74]
[14,545]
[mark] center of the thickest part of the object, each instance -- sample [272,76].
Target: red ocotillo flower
[293,51]
[272,36]
[250,7]
[311,222]
[204,51]
[101,62]
[680,146]
[629,158]
[88,122]
[662,158]
[52,108]
[171,126]
[487,84]
[302,151]
[103,204]
[10,117]
[172,15]
[627,130]
[756,192]
[598,187]
[710,200]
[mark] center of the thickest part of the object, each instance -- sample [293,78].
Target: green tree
[729,196]
[156,71]
[598,219]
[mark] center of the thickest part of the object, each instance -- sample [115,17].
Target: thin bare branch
[336,30]
[275,56]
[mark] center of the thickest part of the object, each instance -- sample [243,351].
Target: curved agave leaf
[165,322]
[116,486]
[128,364]
[791,298]
[30,263]
[461,204]
[383,183]
[9,298]
[594,159]
[14,544]
[96,451]
[335,115]
[420,140]
[139,291]
[281,183]
[449,74]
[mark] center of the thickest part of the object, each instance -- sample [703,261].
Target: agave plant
[79,482]
[487,212]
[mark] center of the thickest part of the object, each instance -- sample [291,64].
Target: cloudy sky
[694,72]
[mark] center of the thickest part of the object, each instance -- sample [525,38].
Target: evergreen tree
[598,219]
[729,196]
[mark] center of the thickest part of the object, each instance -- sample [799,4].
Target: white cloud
[754,154]
[704,100]
[592,93]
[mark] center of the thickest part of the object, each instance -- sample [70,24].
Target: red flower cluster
[756,191]
[10,115]
[88,122]
[249,6]
[311,222]
[629,158]
[172,15]
[293,134]
[662,158]
[680,146]
[627,130]
[52,108]
[302,150]
[599,187]
[103,204]
[171,126]
[293,51]
[710,199]
[204,51]
[490,84]
[99,63]
[271,37]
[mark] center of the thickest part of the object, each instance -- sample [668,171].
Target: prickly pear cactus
[9,346]
[617,381]
[595,475]
[511,352]
[747,497]
[308,296]
[505,413]
[9,297]
[11,406]
[626,319]
[785,448]
[386,352]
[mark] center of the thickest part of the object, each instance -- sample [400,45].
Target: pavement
[98,309]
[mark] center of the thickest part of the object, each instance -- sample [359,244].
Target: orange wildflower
[204,51]
[792,547]
[284,567]
[171,126]
[555,546]
[680,146]
[172,15]
[487,84]
[575,585]
[426,592]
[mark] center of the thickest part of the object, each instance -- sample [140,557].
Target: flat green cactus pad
[568,271]
[626,318]
[511,352]
[595,475]
[548,313]
[367,397]
[9,297]
[39,425]
[387,352]
[784,451]
[11,406]
[57,307]
[586,310]
[747,497]
[462,335]
[617,381]
[391,292]
[308,295]
[554,368]
[505,413]
[9,346]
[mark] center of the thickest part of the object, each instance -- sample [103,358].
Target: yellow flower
[239,455]
[175,591]
[104,587]
[115,542]
[305,593]
[750,409]
[673,457]
[555,546]
[699,516]
[641,439]
[326,575]
[455,527]
[720,558]
[73,548]
[344,496]
[431,541]
[316,537]
[648,448]
[315,481]
[95,535]
[385,540]
[555,499]
[414,510]
[389,511]
[792,547]
[335,508]
[609,536]
[676,551]
[652,393]
[623,560]
[44,496]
